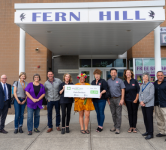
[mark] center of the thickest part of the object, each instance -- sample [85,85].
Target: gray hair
[4,75]
[146,73]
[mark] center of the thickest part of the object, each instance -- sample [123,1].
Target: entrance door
[88,72]
[119,74]
[105,74]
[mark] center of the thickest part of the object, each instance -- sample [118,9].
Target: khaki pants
[161,119]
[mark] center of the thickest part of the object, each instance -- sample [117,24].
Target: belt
[115,97]
[21,97]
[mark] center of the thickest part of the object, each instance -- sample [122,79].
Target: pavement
[74,140]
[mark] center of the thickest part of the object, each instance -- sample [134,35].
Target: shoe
[20,130]
[49,130]
[99,130]
[58,128]
[29,132]
[15,131]
[113,129]
[36,130]
[117,131]
[145,134]
[87,131]
[160,135]
[3,131]
[148,137]
[130,130]
[67,130]
[63,131]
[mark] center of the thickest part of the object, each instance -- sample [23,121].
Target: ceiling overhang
[104,28]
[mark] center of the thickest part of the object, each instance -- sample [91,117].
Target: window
[108,62]
[85,62]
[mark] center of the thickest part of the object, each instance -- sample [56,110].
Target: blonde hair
[23,73]
[70,80]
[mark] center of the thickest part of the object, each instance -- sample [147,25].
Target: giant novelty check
[89,91]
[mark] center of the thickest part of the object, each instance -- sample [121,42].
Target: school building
[74,36]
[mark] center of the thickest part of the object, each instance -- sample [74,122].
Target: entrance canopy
[98,28]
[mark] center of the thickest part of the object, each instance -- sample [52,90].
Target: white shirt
[6,89]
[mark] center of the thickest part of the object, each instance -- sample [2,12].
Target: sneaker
[63,131]
[67,130]
[20,130]
[29,132]
[15,131]
[36,130]
[160,135]
[112,129]
[117,131]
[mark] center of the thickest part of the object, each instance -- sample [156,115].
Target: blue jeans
[49,114]
[19,113]
[100,107]
[30,118]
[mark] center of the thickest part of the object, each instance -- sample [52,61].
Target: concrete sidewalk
[77,141]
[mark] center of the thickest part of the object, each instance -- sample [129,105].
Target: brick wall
[145,47]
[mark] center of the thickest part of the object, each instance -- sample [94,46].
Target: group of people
[114,91]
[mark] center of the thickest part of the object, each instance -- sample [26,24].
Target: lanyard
[145,86]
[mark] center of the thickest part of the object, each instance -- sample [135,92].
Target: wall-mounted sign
[163,36]
[63,71]
[90,15]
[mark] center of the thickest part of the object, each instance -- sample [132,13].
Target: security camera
[37,49]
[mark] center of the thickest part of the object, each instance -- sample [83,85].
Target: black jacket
[2,95]
[64,100]
[103,86]
[160,94]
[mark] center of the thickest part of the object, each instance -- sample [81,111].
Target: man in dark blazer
[5,102]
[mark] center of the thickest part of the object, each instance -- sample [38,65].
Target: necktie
[5,92]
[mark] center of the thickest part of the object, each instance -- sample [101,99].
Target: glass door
[88,72]
[119,74]
[102,74]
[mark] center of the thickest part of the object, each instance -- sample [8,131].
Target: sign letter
[74,16]
[57,16]
[125,16]
[137,16]
[45,16]
[34,16]
[101,15]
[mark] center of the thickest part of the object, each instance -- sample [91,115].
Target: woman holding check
[100,103]
[146,99]
[35,92]
[66,103]
[83,106]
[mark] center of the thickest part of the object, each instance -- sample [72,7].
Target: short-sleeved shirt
[20,92]
[103,86]
[115,86]
[131,90]
[31,91]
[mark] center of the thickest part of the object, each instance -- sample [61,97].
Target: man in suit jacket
[5,102]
